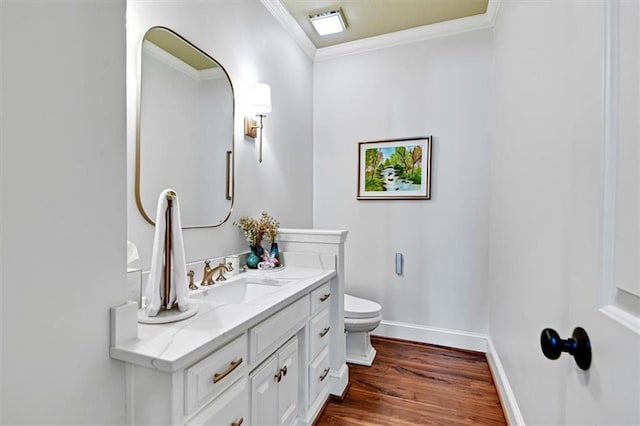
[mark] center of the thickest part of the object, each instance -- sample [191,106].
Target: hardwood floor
[417,384]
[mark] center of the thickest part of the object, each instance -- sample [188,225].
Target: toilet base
[359,348]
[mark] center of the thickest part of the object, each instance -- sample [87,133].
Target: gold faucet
[207,276]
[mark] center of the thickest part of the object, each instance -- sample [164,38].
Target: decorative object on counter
[167,289]
[252,258]
[261,272]
[192,285]
[251,230]
[255,230]
[395,169]
[268,262]
[270,226]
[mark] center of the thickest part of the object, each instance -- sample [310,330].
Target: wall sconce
[261,104]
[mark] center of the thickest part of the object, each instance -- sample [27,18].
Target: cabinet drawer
[319,332]
[279,325]
[230,408]
[215,373]
[320,297]
[319,375]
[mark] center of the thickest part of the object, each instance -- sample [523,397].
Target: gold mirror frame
[229,159]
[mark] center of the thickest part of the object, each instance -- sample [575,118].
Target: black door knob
[577,345]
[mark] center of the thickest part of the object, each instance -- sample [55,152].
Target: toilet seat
[355,307]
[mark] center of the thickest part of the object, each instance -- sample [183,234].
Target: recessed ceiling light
[330,22]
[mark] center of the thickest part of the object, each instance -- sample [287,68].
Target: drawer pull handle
[232,366]
[324,297]
[239,422]
[324,374]
[324,331]
[283,372]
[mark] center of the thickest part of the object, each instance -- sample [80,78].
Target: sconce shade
[262,99]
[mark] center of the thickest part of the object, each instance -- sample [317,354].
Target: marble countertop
[170,347]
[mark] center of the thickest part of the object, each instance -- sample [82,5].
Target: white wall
[440,87]
[65,194]
[530,178]
[63,212]
[252,46]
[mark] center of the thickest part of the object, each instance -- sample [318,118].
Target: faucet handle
[192,285]
[222,268]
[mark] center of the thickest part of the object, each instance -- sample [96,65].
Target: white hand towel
[155,285]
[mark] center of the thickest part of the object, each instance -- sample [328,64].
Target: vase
[252,258]
[274,252]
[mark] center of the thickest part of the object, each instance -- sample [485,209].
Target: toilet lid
[355,307]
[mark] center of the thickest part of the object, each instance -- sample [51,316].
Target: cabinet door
[264,394]
[288,386]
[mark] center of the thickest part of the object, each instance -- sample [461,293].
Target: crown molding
[441,29]
[412,35]
[282,15]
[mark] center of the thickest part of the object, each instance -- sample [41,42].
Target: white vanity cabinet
[271,359]
[274,388]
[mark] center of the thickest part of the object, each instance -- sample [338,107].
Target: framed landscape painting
[395,169]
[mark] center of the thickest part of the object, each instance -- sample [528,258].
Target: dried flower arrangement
[256,229]
[269,226]
[251,229]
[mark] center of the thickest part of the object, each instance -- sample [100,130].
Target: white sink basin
[243,290]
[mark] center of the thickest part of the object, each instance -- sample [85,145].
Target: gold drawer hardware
[281,373]
[325,297]
[325,331]
[232,366]
[324,374]
[238,423]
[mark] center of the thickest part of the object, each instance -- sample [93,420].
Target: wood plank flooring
[417,384]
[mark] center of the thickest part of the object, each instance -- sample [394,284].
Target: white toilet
[361,316]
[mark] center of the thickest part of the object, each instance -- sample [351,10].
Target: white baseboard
[508,399]
[432,335]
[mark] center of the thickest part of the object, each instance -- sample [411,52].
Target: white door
[604,235]
[564,228]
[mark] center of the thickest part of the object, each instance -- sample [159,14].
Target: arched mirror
[184,131]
